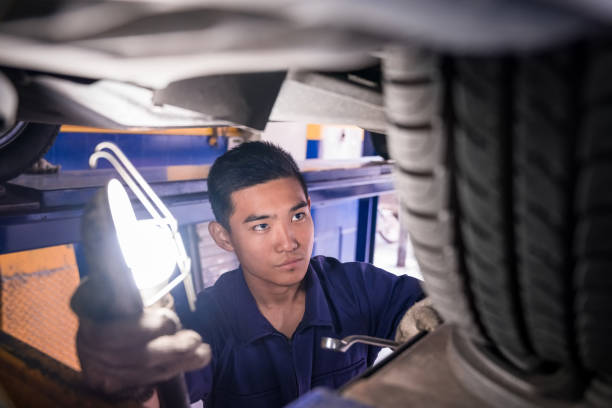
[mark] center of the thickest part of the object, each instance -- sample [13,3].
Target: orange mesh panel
[35,290]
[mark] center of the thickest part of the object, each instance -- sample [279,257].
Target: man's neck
[282,306]
[268,295]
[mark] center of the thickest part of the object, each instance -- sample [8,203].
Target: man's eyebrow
[253,217]
[299,205]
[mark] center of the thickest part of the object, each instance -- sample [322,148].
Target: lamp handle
[173,393]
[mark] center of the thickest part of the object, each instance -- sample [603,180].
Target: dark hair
[245,166]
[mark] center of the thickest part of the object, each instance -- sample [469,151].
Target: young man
[264,321]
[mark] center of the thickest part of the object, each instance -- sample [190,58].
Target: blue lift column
[366,229]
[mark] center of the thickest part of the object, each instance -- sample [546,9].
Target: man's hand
[420,317]
[122,357]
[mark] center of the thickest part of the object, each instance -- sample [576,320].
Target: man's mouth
[290,263]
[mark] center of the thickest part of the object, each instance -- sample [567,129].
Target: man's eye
[298,216]
[260,227]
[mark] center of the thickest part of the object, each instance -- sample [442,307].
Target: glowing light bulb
[147,247]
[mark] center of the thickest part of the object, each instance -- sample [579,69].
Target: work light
[133,259]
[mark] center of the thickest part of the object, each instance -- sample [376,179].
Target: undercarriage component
[322,98]
[153,44]
[105,104]
[8,104]
[22,145]
[243,99]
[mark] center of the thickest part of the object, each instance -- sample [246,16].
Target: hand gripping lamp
[132,260]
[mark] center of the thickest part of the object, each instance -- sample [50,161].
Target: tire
[23,145]
[417,143]
[518,254]
[481,126]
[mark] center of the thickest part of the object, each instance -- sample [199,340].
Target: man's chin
[293,276]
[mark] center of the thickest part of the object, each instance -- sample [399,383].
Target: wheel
[22,145]
[504,167]
[417,143]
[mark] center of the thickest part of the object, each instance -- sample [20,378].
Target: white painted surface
[289,136]
[341,142]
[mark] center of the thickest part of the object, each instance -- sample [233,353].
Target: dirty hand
[420,317]
[123,357]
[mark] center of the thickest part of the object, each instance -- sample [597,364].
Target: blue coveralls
[254,365]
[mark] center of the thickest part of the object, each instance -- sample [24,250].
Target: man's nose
[286,240]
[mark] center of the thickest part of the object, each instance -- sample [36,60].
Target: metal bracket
[158,211]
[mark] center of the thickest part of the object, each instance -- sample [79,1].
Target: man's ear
[220,235]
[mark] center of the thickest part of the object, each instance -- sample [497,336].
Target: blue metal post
[366,229]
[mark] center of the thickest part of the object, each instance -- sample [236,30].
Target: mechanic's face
[271,231]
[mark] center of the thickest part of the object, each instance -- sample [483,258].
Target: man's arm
[393,299]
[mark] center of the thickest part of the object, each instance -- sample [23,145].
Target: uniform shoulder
[213,307]
[355,275]
[214,298]
[332,266]
[348,283]
[332,271]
